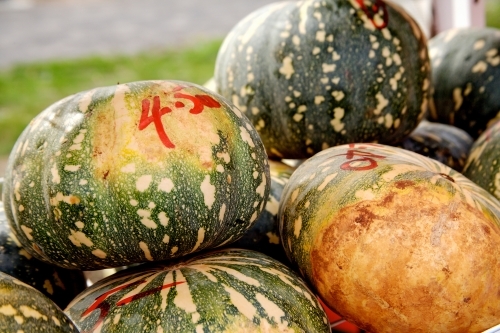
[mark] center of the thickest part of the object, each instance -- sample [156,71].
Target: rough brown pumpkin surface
[414,250]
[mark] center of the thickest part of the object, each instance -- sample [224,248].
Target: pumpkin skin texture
[482,163]
[445,143]
[136,172]
[231,290]
[315,74]
[394,241]
[465,76]
[263,236]
[58,284]
[25,309]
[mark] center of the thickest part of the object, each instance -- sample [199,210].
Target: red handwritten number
[101,303]
[199,103]
[364,156]
[374,9]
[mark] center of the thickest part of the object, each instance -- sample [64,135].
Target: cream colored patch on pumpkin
[208,191]
[27,231]
[287,67]
[201,238]
[297,226]
[272,205]
[29,312]
[85,100]
[99,253]
[48,287]
[382,102]
[184,299]
[145,218]
[143,182]
[480,67]
[8,310]
[144,247]
[78,238]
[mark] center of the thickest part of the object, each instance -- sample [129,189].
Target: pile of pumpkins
[338,161]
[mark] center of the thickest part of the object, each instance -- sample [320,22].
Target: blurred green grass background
[27,89]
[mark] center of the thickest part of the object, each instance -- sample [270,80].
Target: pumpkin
[59,284]
[25,309]
[445,143]
[263,236]
[482,165]
[388,237]
[314,74]
[465,76]
[230,290]
[136,172]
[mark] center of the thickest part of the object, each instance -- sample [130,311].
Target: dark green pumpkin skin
[315,74]
[25,309]
[466,76]
[231,290]
[264,234]
[59,284]
[136,172]
[445,143]
[483,162]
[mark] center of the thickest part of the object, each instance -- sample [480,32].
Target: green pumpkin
[466,76]
[387,236]
[59,284]
[319,73]
[445,143]
[263,236]
[231,290]
[25,309]
[482,166]
[136,172]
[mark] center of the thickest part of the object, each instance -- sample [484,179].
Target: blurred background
[50,49]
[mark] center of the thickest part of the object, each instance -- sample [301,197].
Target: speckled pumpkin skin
[394,241]
[231,290]
[58,284]
[315,74]
[263,236]
[445,143]
[482,166]
[136,172]
[466,76]
[25,309]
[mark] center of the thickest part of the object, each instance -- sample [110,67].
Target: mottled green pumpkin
[136,172]
[319,73]
[445,143]
[23,309]
[482,166]
[231,290]
[466,76]
[388,237]
[59,284]
[263,236]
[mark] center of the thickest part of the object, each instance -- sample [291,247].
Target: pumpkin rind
[394,241]
[482,166]
[58,284]
[25,309]
[314,74]
[135,172]
[232,290]
[263,236]
[445,143]
[465,76]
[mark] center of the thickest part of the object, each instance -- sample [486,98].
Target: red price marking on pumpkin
[364,156]
[102,304]
[372,10]
[156,111]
